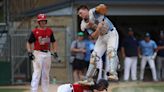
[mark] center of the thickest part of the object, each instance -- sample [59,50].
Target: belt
[146,55]
[44,50]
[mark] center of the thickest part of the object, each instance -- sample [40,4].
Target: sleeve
[31,38]
[73,44]
[155,45]
[91,14]
[52,38]
[83,25]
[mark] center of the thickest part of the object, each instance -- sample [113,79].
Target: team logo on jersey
[43,40]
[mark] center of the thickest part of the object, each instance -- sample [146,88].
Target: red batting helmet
[41,17]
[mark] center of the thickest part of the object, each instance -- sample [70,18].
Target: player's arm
[30,42]
[139,50]
[96,33]
[123,52]
[160,47]
[29,46]
[54,45]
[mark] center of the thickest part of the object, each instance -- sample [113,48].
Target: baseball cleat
[88,82]
[113,77]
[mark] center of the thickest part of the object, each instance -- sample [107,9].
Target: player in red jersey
[100,86]
[43,40]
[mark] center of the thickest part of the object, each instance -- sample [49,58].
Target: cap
[161,33]
[130,29]
[80,34]
[147,35]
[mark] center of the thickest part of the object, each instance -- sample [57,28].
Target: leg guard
[92,71]
[113,64]
[92,65]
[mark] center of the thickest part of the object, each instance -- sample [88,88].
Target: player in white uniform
[148,48]
[100,27]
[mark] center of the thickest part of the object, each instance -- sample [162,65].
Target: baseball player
[147,48]
[42,38]
[100,27]
[100,86]
[160,57]
[129,50]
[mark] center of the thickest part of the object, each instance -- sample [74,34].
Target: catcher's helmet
[65,88]
[41,17]
[102,84]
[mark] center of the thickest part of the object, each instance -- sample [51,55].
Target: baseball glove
[102,9]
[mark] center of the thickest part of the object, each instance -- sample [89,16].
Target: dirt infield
[53,87]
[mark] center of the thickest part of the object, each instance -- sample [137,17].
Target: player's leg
[162,75]
[142,68]
[45,71]
[99,67]
[37,67]
[153,69]
[96,55]
[95,58]
[127,67]
[112,58]
[159,67]
[134,68]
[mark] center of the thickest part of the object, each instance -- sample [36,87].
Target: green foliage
[152,88]
[11,90]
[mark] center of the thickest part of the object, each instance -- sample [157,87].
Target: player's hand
[55,55]
[83,50]
[31,56]
[140,56]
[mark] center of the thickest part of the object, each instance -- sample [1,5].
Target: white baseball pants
[152,67]
[160,68]
[130,67]
[109,40]
[41,66]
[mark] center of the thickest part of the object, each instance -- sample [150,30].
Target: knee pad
[92,65]
[111,52]
[94,57]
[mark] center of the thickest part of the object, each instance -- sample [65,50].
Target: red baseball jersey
[41,38]
[80,88]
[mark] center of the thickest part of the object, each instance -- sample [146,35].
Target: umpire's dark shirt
[130,44]
[161,52]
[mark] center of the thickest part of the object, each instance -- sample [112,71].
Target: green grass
[11,90]
[152,88]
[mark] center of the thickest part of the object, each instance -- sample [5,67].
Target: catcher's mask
[101,85]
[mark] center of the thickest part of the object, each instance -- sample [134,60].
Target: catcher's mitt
[102,9]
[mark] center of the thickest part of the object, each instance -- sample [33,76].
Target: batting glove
[31,56]
[55,55]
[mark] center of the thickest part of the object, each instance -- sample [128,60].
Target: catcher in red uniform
[100,86]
